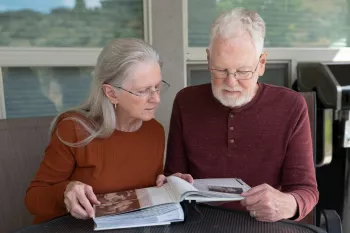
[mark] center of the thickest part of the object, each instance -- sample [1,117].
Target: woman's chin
[148,117]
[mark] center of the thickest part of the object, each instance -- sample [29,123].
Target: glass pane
[289,23]
[276,74]
[31,92]
[68,23]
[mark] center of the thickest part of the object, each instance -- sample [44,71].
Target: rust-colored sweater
[125,160]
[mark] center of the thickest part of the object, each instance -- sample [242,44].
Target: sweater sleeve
[162,150]
[44,196]
[298,172]
[176,160]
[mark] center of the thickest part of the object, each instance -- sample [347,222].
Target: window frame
[203,66]
[197,55]
[293,55]
[58,56]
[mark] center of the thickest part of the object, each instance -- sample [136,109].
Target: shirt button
[231,128]
[232,140]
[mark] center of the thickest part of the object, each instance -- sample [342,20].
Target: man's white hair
[236,22]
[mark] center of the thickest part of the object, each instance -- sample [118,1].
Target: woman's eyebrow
[150,86]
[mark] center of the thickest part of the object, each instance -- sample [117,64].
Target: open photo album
[161,205]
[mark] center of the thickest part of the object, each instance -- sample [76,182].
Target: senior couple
[233,127]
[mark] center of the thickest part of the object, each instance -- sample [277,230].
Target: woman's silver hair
[114,65]
[237,21]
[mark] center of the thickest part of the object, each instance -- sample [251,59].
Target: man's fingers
[187,177]
[160,180]
[265,216]
[256,207]
[91,195]
[85,203]
[255,190]
[251,200]
[178,174]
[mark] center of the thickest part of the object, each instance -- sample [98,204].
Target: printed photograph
[116,207]
[117,203]
[117,196]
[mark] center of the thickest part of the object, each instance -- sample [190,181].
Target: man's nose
[231,81]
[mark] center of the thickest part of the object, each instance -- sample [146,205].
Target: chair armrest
[330,221]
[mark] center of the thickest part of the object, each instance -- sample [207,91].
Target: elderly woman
[110,143]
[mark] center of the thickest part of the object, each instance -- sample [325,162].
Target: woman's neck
[126,123]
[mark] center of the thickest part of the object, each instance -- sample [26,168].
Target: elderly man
[239,127]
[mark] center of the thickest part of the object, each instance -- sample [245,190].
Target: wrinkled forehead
[238,51]
[143,74]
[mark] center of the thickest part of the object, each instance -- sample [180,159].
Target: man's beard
[230,101]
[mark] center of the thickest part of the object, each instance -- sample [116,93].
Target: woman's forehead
[144,75]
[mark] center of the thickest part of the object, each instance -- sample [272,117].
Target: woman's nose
[155,97]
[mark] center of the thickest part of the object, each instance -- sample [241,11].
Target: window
[69,23]
[289,23]
[44,91]
[275,73]
[48,49]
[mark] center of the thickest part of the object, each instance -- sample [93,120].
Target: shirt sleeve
[298,171]
[176,160]
[44,196]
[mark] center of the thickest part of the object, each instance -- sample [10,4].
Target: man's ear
[262,64]
[208,57]
[110,93]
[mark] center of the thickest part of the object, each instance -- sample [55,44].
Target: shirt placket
[230,137]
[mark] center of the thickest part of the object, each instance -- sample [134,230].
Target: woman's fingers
[77,211]
[79,199]
[85,203]
[91,195]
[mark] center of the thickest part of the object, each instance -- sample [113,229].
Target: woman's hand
[79,198]
[161,179]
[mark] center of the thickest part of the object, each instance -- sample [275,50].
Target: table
[201,218]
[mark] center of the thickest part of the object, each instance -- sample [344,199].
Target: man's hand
[268,204]
[161,179]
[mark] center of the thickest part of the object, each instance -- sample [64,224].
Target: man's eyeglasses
[239,75]
[146,93]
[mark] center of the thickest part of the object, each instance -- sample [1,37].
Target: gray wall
[168,39]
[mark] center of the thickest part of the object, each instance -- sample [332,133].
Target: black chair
[329,219]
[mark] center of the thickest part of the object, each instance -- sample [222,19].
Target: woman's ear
[110,92]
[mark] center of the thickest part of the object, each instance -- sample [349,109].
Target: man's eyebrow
[245,66]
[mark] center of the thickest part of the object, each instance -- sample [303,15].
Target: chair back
[22,142]
[310,98]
